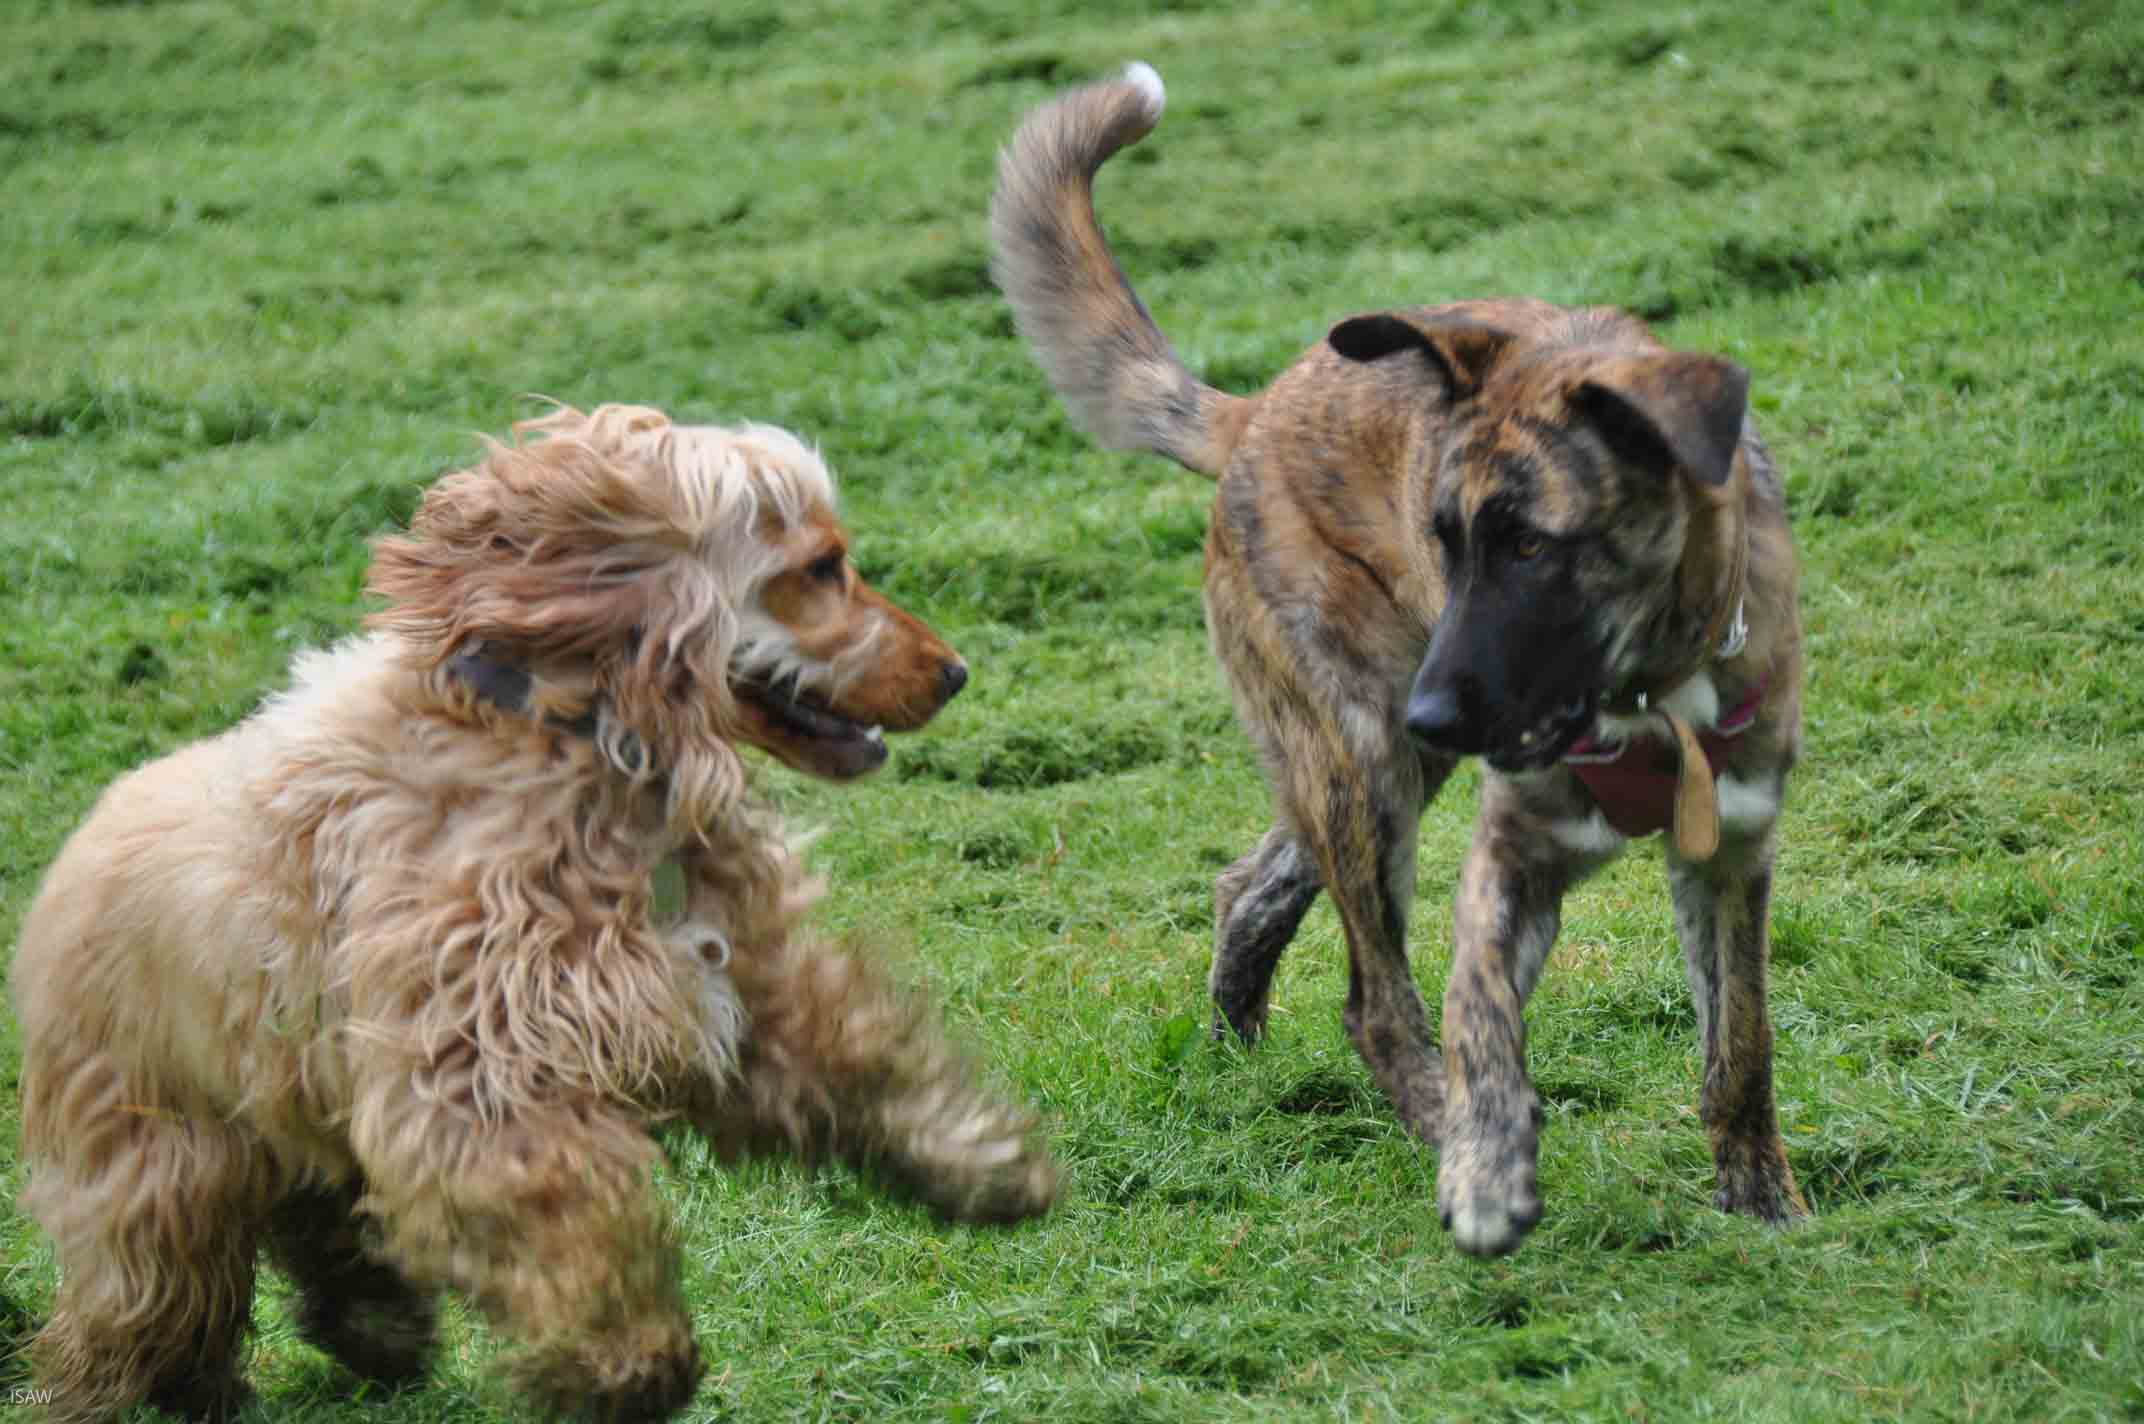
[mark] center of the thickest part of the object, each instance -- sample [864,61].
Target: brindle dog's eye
[1527,546]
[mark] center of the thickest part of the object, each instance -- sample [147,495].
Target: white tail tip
[1142,76]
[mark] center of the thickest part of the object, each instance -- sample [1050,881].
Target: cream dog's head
[688,583]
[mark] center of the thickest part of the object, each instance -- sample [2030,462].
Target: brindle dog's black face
[1516,666]
[1558,517]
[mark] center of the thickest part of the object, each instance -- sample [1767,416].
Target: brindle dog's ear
[1465,350]
[1669,408]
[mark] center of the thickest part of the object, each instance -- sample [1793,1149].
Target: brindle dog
[1495,528]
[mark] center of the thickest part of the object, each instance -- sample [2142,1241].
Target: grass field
[264,270]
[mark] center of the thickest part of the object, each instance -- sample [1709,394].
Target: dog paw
[1754,1180]
[966,1154]
[637,1377]
[201,1401]
[991,1189]
[1486,1194]
[1489,1222]
[1028,1190]
[386,1339]
[1240,1025]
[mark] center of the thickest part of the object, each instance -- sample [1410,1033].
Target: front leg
[838,1061]
[1504,922]
[1720,916]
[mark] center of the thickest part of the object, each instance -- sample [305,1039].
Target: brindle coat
[1492,528]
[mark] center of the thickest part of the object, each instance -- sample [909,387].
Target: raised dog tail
[1101,350]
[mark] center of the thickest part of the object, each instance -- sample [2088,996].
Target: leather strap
[1697,801]
[1730,606]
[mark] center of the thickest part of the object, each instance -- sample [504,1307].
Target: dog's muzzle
[1449,717]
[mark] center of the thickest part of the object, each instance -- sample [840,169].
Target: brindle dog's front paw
[1754,1180]
[1486,1194]
[1245,1024]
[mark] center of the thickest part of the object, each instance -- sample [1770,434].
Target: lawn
[265,270]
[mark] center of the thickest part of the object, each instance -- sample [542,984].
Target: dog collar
[1737,635]
[1634,781]
[508,686]
[1726,630]
[1732,631]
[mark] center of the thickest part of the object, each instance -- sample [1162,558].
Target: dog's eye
[1527,546]
[826,568]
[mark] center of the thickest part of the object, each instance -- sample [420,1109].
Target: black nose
[953,676]
[1437,717]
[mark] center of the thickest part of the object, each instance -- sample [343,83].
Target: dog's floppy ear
[563,544]
[480,564]
[1669,408]
[1464,350]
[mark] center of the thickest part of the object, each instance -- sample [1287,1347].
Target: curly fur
[374,981]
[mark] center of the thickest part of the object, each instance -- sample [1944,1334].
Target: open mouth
[1549,739]
[817,738]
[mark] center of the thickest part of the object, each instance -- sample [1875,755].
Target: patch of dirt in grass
[1020,758]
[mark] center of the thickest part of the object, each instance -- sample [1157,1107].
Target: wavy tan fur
[374,982]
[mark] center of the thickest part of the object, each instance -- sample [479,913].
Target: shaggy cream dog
[394,979]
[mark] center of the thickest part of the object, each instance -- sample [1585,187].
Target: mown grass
[264,270]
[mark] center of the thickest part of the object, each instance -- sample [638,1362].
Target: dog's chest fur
[393,814]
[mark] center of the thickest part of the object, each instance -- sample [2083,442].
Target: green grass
[264,270]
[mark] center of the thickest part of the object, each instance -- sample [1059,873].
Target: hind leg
[352,1304]
[1258,903]
[1320,701]
[154,1218]
[548,1222]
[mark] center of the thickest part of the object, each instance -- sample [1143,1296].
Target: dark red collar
[1633,781]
